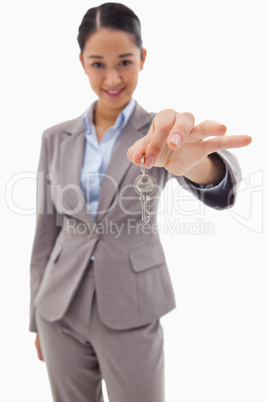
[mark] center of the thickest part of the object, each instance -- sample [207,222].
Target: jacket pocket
[56,251]
[144,258]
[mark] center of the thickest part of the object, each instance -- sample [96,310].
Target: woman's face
[112,62]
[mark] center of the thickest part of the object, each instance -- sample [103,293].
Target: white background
[206,57]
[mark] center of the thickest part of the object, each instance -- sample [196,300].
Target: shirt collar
[120,122]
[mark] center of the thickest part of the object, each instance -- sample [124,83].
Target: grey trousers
[80,351]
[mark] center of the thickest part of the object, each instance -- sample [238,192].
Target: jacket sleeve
[46,231]
[223,195]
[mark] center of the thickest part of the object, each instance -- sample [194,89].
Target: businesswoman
[99,280]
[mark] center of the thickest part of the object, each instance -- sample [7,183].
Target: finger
[184,124]
[158,134]
[206,129]
[135,152]
[232,141]
[38,348]
[169,127]
[40,357]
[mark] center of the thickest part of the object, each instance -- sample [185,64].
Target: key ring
[143,168]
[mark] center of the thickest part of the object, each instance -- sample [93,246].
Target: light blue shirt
[97,154]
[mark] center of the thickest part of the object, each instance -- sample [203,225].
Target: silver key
[145,186]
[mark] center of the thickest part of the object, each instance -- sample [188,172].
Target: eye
[97,65]
[125,63]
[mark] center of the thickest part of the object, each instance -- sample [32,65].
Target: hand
[38,348]
[175,143]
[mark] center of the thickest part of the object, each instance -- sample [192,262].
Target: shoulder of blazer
[140,120]
[70,126]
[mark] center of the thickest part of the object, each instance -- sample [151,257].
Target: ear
[81,60]
[144,53]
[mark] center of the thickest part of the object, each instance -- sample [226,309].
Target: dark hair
[112,16]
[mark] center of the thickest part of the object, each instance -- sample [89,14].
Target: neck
[106,116]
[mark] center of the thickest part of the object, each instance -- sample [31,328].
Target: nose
[112,78]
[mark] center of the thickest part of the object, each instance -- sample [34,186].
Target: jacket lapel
[71,159]
[72,152]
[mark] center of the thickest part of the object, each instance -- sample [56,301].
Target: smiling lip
[114,93]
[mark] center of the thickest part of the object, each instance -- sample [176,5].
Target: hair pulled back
[112,16]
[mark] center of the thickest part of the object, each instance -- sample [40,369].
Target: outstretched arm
[183,149]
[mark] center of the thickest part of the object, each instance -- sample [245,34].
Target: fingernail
[150,161]
[133,156]
[176,138]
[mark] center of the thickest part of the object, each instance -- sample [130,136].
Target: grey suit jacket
[132,281]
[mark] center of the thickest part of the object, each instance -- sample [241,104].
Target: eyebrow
[120,56]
